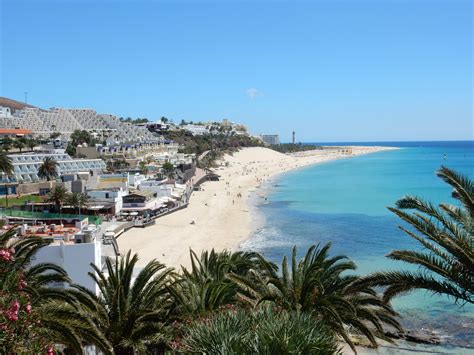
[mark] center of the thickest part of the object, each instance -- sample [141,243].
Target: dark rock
[423,336]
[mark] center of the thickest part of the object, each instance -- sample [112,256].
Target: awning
[131,209]
[98,207]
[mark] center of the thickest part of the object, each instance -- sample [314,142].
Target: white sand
[225,221]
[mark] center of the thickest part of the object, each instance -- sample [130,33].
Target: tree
[446,263]
[130,314]
[77,200]
[32,143]
[164,120]
[58,196]
[18,144]
[320,285]
[206,286]
[54,135]
[168,169]
[143,168]
[6,168]
[33,315]
[79,137]
[7,143]
[48,169]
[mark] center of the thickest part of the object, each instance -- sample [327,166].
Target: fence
[45,215]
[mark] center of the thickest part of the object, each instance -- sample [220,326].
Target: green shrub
[259,331]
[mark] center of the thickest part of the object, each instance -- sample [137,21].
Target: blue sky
[330,70]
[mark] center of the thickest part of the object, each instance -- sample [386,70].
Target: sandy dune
[222,218]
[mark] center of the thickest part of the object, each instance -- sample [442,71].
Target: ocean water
[345,202]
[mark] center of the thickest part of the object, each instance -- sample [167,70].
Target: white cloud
[253,93]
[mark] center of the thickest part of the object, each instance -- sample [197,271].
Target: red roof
[15,131]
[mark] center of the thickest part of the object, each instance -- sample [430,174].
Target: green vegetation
[293,148]
[446,265]
[134,120]
[76,200]
[80,137]
[235,302]
[8,143]
[131,315]
[202,143]
[58,195]
[19,201]
[19,144]
[6,168]
[34,316]
[168,169]
[54,135]
[263,330]
[48,169]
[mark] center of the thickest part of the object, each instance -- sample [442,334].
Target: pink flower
[50,350]
[5,255]
[12,316]
[15,306]
[28,308]
[22,284]
[12,312]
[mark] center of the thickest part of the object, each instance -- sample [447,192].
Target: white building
[272,139]
[196,130]
[25,166]
[66,121]
[73,257]
[107,198]
[5,112]
[134,180]
[158,186]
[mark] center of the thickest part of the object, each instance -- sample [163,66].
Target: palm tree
[48,169]
[18,144]
[206,286]
[6,168]
[32,143]
[320,285]
[131,310]
[77,200]
[58,196]
[43,313]
[446,264]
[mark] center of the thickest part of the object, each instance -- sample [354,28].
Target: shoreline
[225,212]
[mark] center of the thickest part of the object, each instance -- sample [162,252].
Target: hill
[13,104]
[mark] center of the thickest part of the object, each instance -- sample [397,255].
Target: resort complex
[236,177]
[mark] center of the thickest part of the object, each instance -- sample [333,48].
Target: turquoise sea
[345,202]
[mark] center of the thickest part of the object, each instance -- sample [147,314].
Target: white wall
[75,259]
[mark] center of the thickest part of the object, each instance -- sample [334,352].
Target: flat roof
[15,131]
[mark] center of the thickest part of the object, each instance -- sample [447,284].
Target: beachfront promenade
[220,210]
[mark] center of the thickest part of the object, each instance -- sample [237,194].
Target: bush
[259,331]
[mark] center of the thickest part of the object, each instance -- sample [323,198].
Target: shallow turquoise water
[345,202]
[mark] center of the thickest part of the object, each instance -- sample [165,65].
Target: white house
[75,258]
[196,130]
[107,198]
[5,112]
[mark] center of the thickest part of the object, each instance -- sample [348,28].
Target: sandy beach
[221,209]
